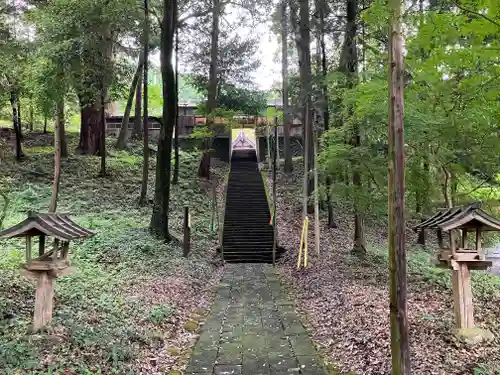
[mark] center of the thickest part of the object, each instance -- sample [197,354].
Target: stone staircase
[248,236]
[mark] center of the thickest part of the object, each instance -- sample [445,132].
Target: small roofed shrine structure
[48,265]
[459,222]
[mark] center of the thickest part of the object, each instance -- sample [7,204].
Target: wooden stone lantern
[48,265]
[458,255]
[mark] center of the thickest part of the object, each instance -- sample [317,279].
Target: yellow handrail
[303,243]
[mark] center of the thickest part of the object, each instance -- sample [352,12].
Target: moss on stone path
[253,329]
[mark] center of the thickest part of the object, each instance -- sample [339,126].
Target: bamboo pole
[306,163]
[316,199]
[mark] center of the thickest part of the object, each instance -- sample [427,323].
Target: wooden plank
[41,265]
[468,256]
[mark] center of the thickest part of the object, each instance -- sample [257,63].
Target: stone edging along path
[252,329]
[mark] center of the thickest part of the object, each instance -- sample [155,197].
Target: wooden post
[65,250]
[275,167]
[41,245]
[464,239]
[462,296]
[187,232]
[28,249]
[478,240]
[422,235]
[43,301]
[56,249]
[440,238]
[453,244]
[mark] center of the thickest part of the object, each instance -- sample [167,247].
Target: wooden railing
[188,123]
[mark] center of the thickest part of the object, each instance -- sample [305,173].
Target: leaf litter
[344,300]
[126,306]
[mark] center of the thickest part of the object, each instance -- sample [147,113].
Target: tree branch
[457,4]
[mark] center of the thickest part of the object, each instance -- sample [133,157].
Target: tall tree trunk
[137,131]
[145,164]
[349,65]
[204,170]
[159,219]
[17,127]
[306,87]
[83,143]
[396,205]
[90,129]
[446,187]
[214,50]
[422,197]
[175,179]
[59,124]
[100,57]
[284,74]
[61,128]
[31,113]
[423,189]
[124,130]
[326,108]
[19,122]
[102,129]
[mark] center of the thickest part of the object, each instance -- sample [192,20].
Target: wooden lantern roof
[467,217]
[59,226]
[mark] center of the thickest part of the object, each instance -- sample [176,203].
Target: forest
[397,105]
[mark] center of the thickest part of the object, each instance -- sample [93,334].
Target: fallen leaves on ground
[344,300]
[126,306]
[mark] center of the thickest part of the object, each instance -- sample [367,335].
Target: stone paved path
[253,329]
